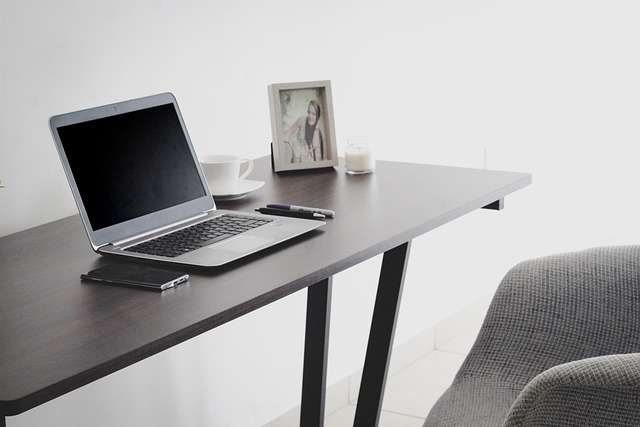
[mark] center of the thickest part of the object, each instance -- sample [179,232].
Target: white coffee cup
[223,172]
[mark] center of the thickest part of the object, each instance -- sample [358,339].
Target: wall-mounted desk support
[498,205]
[378,213]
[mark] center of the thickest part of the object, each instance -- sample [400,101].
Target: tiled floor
[411,392]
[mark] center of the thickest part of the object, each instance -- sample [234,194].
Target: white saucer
[245,186]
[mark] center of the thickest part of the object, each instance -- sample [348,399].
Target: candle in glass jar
[359,156]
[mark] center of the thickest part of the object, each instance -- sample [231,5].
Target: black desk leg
[383,326]
[316,350]
[3,421]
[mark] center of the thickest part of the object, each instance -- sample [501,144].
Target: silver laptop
[140,190]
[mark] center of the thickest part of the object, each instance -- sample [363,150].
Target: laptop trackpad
[244,243]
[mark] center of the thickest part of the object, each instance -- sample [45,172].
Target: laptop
[138,184]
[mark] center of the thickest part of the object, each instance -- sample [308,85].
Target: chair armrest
[601,390]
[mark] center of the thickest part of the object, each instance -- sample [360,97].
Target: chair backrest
[561,308]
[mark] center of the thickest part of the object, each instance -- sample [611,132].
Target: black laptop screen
[131,164]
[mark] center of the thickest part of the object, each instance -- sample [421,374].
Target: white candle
[359,156]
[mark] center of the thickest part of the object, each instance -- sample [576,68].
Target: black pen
[282,212]
[325,212]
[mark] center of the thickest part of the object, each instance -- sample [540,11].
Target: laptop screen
[130,165]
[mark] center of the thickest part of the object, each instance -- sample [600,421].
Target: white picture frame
[302,126]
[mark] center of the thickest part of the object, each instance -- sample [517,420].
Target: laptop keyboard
[198,235]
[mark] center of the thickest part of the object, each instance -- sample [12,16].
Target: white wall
[547,87]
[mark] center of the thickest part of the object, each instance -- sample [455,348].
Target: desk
[58,334]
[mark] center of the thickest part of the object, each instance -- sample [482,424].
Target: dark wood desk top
[58,333]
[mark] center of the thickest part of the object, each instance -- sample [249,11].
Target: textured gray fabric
[598,391]
[548,312]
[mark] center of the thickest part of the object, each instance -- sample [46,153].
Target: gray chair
[560,346]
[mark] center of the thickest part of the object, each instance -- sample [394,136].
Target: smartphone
[137,276]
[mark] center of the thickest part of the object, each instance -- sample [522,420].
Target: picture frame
[302,126]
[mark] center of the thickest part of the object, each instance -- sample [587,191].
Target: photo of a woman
[305,136]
